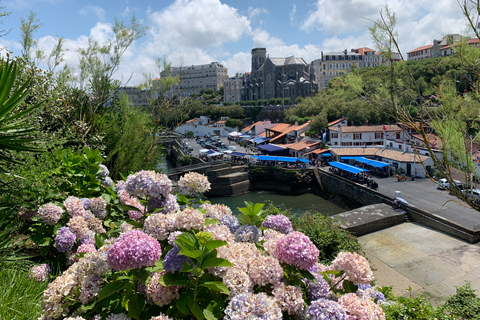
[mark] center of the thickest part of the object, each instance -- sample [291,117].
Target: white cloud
[240,62]
[293,19]
[198,23]
[126,12]
[253,12]
[97,11]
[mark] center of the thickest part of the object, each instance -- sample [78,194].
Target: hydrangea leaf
[112,288]
[217,286]
[213,244]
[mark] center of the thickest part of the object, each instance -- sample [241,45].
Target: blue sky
[201,31]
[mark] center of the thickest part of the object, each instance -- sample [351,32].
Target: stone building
[232,88]
[197,77]
[288,77]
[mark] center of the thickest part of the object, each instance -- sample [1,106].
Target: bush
[464,304]
[327,236]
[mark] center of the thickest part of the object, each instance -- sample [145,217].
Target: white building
[360,136]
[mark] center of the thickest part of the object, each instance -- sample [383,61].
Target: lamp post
[308,157]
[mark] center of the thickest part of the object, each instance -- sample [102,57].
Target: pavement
[424,194]
[413,256]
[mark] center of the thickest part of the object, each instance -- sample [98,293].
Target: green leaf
[244,219]
[213,244]
[211,221]
[100,239]
[44,251]
[217,286]
[215,262]
[175,279]
[209,315]
[107,198]
[181,199]
[126,207]
[349,287]
[112,288]
[187,238]
[196,254]
[135,305]
[182,304]
[308,275]
[197,311]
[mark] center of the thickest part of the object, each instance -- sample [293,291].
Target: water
[297,204]
[164,165]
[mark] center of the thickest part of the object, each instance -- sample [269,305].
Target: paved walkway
[411,255]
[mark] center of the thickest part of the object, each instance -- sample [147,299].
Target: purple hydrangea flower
[99,207]
[120,185]
[133,249]
[65,239]
[50,213]
[173,236]
[231,222]
[247,233]
[148,183]
[317,290]
[106,182]
[174,261]
[104,172]
[169,204]
[278,222]
[296,249]
[323,309]
[86,203]
[245,306]
[366,290]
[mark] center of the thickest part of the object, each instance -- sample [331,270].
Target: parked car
[472,194]
[458,183]
[443,184]
[233,148]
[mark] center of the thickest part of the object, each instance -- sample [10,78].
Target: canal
[297,204]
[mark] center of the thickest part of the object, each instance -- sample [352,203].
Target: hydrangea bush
[182,258]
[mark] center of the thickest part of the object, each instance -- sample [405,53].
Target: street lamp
[308,157]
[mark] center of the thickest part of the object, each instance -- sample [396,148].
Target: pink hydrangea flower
[361,309]
[296,249]
[355,266]
[132,250]
[50,213]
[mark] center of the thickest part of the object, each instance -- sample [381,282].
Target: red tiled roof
[299,146]
[220,122]
[432,138]
[335,122]
[193,120]
[250,127]
[283,128]
[421,48]
[318,151]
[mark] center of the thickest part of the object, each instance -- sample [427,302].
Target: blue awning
[286,159]
[270,147]
[351,158]
[238,154]
[372,163]
[326,154]
[210,152]
[266,158]
[347,167]
[303,160]
[260,140]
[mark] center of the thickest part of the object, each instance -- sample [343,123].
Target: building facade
[277,78]
[232,88]
[198,77]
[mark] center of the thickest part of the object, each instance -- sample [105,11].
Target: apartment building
[232,88]
[198,77]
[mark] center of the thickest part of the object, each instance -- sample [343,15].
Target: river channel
[297,204]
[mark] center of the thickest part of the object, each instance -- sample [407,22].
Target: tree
[453,117]
[287,100]
[27,28]
[272,101]
[234,123]
[255,111]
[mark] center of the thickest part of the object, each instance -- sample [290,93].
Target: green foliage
[287,100]
[255,111]
[234,123]
[465,304]
[252,214]
[14,136]
[20,296]
[327,236]
[272,101]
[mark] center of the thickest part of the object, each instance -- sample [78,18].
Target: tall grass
[20,296]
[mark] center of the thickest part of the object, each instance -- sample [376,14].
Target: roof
[285,128]
[377,128]
[384,153]
[220,122]
[250,127]
[432,139]
[302,145]
[270,147]
[421,48]
[363,50]
[192,120]
[319,151]
[470,41]
[334,122]
[287,61]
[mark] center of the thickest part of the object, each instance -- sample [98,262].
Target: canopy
[259,140]
[402,200]
[352,158]
[372,163]
[204,150]
[214,153]
[227,151]
[209,152]
[238,154]
[270,147]
[326,154]
[346,167]
[266,158]
[286,159]
[234,134]
[303,160]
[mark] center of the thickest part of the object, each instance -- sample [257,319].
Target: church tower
[259,55]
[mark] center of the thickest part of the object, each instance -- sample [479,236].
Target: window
[357,136]
[378,135]
[334,135]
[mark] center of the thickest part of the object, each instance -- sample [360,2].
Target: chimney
[296,123]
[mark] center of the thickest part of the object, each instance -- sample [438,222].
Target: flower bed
[166,257]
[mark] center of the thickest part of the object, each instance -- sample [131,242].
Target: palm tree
[14,135]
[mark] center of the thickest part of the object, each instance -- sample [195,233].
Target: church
[278,78]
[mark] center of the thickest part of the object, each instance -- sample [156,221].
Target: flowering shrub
[175,262]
